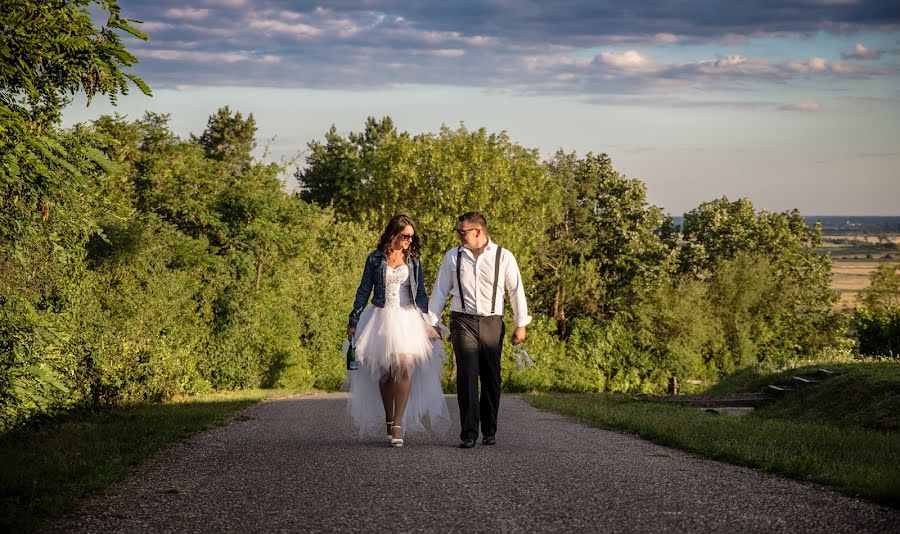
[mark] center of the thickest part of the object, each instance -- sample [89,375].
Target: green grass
[866,395]
[46,468]
[847,439]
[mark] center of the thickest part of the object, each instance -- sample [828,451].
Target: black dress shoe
[467,444]
[489,440]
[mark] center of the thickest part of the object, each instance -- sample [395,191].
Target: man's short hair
[474,217]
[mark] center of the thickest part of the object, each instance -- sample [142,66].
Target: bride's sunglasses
[407,237]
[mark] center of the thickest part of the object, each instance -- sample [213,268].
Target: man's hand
[518,335]
[437,330]
[351,331]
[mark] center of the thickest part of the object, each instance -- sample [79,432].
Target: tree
[340,172]
[609,248]
[229,138]
[48,51]
[718,233]
[370,176]
[884,288]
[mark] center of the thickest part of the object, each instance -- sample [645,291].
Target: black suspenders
[496,278]
[462,301]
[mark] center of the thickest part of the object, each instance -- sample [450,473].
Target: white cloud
[730,61]
[818,63]
[665,38]
[227,3]
[440,37]
[153,26]
[204,57]
[290,15]
[861,52]
[344,27]
[842,67]
[187,13]
[630,59]
[448,52]
[802,106]
[298,30]
[735,64]
[549,61]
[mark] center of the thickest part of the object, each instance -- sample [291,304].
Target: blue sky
[792,104]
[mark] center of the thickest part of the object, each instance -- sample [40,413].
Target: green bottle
[352,364]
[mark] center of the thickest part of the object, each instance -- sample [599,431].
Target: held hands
[351,331]
[518,335]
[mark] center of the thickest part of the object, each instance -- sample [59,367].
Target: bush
[879,331]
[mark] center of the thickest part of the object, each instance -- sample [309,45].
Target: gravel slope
[293,465]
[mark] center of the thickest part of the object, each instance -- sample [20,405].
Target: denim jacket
[373,276]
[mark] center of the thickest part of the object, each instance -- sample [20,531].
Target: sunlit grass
[843,435]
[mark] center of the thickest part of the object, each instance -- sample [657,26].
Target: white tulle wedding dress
[389,340]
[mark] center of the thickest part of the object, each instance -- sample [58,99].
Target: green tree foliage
[878,319]
[883,291]
[878,331]
[229,138]
[48,51]
[608,248]
[791,282]
[370,176]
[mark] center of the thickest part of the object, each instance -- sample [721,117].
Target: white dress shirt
[478,285]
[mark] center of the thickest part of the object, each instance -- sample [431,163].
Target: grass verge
[866,395]
[45,469]
[856,461]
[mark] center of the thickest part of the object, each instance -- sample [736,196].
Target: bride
[400,355]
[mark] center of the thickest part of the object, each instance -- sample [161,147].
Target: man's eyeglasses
[406,237]
[462,233]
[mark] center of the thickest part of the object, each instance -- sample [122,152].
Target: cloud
[204,57]
[630,59]
[430,37]
[665,38]
[154,26]
[802,106]
[297,30]
[448,52]
[841,69]
[589,49]
[187,13]
[226,3]
[861,52]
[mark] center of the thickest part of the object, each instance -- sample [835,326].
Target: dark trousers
[477,343]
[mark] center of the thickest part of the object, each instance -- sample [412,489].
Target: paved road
[292,465]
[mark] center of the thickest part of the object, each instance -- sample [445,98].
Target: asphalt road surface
[294,465]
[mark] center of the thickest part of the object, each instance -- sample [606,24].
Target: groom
[472,274]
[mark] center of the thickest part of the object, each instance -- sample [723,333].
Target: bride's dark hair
[393,230]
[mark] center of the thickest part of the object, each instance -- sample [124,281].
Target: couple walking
[397,387]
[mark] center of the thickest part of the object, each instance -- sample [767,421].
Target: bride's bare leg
[387,386]
[402,387]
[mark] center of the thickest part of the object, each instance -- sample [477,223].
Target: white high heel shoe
[396,442]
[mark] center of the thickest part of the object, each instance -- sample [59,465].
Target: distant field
[855,258]
[849,277]
[869,239]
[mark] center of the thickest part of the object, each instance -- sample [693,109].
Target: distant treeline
[137,265]
[845,224]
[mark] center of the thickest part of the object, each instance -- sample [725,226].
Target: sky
[789,103]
